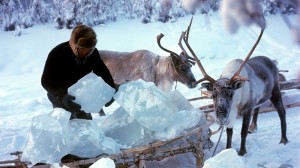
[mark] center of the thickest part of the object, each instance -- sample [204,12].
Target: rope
[220,128]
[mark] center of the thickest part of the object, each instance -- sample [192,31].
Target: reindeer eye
[214,94]
[229,93]
[182,69]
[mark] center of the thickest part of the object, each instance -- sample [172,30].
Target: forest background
[22,14]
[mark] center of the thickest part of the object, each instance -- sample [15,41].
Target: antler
[169,51]
[184,53]
[237,76]
[188,58]
[185,35]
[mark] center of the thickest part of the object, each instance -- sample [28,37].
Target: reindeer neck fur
[164,74]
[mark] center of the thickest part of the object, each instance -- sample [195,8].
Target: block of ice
[86,139]
[146,103]
[227,158]
[179,100]
[61,115]
[178,124]
[167,114]
[125,130]
[52,136]
[104,162]
[46,141]
[91,92]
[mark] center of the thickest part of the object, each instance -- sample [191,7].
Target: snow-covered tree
[40,11]
[69,13]
[8,15]
[280,6]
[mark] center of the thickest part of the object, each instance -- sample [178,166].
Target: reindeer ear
[207,85]
[238,84]
[175,59]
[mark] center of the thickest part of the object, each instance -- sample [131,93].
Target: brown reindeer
[143,64]
[163,71]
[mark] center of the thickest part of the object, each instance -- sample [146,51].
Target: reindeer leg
[253,125]
[276,99]
[229,132]
[244,132]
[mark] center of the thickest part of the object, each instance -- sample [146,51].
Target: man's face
[83,52]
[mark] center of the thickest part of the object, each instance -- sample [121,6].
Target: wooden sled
[15,163]
[189,142]
[194,140]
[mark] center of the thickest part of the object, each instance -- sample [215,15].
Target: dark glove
[110,102]
[102,113]
[81,115]
[70,105]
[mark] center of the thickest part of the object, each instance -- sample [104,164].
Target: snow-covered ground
[22,59]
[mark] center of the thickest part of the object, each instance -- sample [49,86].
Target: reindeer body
[242,88]
[232,98]
[146,65]
[261,80]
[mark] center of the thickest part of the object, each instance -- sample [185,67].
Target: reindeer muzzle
[222,117]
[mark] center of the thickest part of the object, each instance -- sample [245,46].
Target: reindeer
[242,87]
[146,65]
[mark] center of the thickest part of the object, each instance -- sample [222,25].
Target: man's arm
[101,70]
[49,79]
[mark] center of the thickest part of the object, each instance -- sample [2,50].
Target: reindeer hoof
[284,141]
[242,152]
[252,129]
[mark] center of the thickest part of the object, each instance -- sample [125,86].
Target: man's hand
[81,115]
[70,105]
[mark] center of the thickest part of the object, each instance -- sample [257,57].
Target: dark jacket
[63,69]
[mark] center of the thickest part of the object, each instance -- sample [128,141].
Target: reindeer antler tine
[201,80]
[188,29]
[237,74]
[192,62]
[180,44]
[190,59]
[206,76]
[159,37]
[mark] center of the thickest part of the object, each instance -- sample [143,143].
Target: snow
[227,158]
[104,162]
[23,99]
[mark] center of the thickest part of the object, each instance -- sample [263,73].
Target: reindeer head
[222,89]
[182,64]
[222,94]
